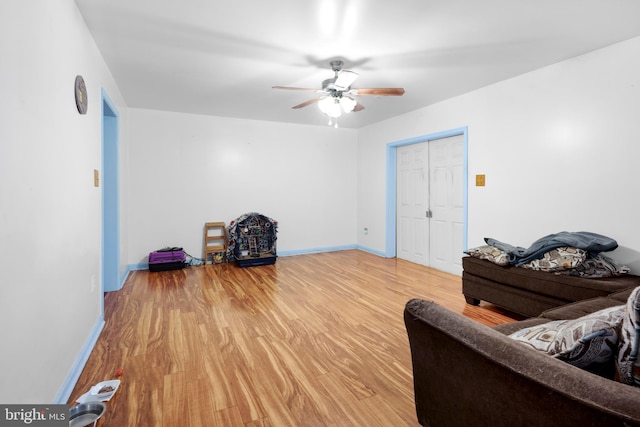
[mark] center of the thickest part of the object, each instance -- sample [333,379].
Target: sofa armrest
[466,373]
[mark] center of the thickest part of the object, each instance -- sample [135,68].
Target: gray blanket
[591,242]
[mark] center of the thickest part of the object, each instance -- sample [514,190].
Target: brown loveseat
[468,374]
[530,292]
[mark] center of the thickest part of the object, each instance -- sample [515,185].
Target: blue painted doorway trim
[110,196]
[390,246]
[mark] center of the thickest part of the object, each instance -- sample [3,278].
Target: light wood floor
[314,340]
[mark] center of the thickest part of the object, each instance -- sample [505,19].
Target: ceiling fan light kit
[336,93]
[334,106]
[330,106]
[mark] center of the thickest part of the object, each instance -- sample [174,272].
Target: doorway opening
[110,197]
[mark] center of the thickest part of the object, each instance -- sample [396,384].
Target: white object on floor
[94,395]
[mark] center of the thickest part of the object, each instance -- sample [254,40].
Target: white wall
[50,212]
[559,147]
[188,169]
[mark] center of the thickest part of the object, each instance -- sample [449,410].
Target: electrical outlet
[479,180]
[96,178]
[366,230]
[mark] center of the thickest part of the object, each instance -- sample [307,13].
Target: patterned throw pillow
[588,342]
[539,337]
[558,259]
[490,253]
[627,364]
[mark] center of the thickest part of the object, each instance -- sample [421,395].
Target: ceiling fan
[337,95]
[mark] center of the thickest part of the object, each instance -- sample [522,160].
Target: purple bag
[167,259]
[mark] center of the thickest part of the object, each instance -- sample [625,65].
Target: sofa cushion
[558,259]
[589,342]
[598,266]
[622,295]
[580,308]
[490,253]
[627,364]
[509,328]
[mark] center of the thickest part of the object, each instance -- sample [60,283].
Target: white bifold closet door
[430,203]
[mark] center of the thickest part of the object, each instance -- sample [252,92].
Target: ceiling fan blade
[345,79]
[306,89]
[304,104]
[385,91]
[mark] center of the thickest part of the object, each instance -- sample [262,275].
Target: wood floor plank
[384,414]
[250,406]
[174,400]
[313,340]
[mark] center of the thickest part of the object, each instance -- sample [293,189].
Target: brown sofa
[468,374]
[530,292]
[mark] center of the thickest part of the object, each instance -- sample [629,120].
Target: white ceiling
[222,58]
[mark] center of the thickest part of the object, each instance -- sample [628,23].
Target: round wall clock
[81,95]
